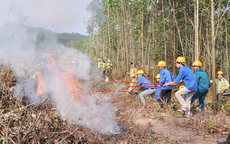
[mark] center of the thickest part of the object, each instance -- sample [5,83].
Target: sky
[55,15]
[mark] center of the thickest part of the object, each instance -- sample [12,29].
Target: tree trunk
[213,53]
[108,35]
[165,45]
[196,22]
[176,24]
[142,41]
[226,50]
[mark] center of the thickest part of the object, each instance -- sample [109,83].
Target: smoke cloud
[55,15]
[45,69]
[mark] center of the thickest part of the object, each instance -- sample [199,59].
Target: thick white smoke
[45,69]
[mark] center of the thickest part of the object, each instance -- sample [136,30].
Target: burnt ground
[166,125]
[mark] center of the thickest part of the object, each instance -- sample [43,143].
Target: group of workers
[196,85]
[105,68]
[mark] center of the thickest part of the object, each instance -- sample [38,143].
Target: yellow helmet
[158,76]
[98,59]
[180,59]
[220,72]
[132,75]
[161,63]
[140,72]
[197,63]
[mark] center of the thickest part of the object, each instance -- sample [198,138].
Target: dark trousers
[166,95]
[201,96]
[109,71]
[219,101]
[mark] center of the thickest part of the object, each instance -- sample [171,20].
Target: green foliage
[226,108]
[211,126]
[70,38]
[152,138]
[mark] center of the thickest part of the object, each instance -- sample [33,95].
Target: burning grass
[22,122]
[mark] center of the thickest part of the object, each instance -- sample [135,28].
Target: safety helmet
[180,59]
[162,64]
[108,60]
[158,76]
[197,63]
[132,75]
[98,59]
[140,72]
[220,72]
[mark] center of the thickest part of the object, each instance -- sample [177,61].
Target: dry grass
[27,123]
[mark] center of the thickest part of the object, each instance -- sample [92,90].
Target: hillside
[42,35]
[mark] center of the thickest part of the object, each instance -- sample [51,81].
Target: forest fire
[49,71]
[41,85]
[68,91]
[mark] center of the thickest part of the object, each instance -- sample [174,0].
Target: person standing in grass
[221,86]
[100,65]
[103,69]
[187,76]
[109,67]
[133,70]
[133,80]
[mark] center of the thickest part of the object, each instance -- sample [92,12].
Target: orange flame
[41,86]
[74,87]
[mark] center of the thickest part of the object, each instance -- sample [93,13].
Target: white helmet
[108,60]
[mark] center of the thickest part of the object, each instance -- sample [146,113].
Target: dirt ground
[167,125]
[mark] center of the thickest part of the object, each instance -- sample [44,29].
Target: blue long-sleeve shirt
[159,91]
[166,77]
[144,80]
[187,75]
[202,80]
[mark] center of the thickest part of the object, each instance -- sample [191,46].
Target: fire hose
[153,85]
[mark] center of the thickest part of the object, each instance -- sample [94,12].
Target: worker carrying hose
[203,85]
[166,77]
[187,76]
[149,88]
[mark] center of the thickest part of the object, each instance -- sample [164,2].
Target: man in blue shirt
[203,85]
[166,77]
[149,88]
[187,76]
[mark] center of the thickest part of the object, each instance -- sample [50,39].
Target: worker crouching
[149,88]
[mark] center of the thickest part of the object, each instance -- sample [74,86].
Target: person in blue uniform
[187,76]
[149,88]
[166,77]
